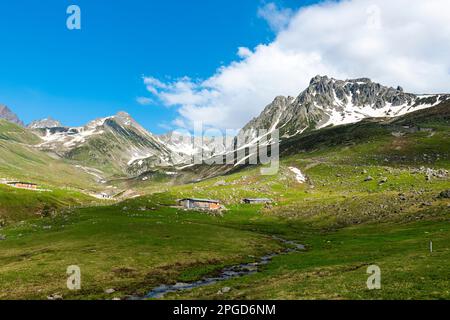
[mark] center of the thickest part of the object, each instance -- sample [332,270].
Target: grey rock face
[45,123]
[7,114]
[270,118]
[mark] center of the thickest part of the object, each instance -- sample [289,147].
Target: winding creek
[227,273]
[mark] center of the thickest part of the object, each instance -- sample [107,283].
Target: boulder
[443,195]
[55,297]
[224,290]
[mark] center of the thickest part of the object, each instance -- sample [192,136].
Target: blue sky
[75,76]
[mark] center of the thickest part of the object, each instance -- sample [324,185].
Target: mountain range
[330,102]
[119,145]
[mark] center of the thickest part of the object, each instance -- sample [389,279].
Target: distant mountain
[115,144]
[331,102]
[185,147]
[45,123]
[7,114]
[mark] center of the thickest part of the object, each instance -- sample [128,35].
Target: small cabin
[257,201]
[23,185]
[204,204]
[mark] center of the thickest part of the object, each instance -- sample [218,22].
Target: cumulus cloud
[402,42]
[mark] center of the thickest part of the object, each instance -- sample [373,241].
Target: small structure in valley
[257,200]
[23,185]
[203,204]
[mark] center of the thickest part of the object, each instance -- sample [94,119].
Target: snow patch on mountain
[71,137]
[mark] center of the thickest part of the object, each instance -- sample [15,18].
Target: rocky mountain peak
[45,123]
[123,115]
[318,79]
[125,119]
[7,114]
[328,93]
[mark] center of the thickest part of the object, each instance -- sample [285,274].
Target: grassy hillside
[20,160]
[13,132]
[17,205]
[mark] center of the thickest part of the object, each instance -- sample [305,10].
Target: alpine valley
[363,180]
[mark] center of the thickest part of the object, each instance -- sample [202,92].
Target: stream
[227,273]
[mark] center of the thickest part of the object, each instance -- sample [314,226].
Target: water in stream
[225,274]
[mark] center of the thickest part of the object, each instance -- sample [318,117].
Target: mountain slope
[13,132]
[402,140]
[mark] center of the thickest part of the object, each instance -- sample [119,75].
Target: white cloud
[144,101]
[402,42]
[277,18]
[153,84]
